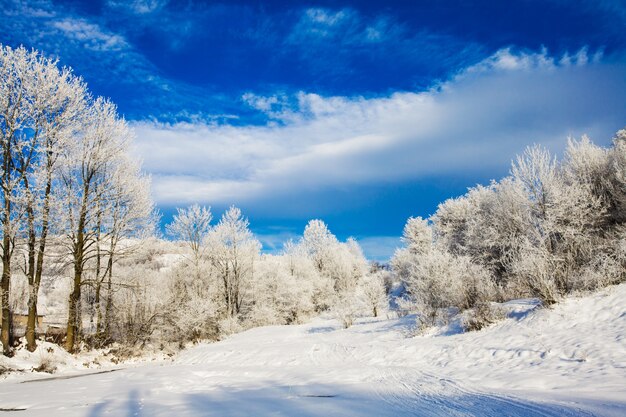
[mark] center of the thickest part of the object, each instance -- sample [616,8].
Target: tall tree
[131,214]
[88,167]
[57,114]
[39,105]
[14,125]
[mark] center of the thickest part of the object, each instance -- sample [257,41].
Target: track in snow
[421,394]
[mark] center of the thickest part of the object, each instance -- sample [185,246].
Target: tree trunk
[6,335]
[33,288]
[95,302]
[109,306]
[73,319]
[98,310]
[5,286]
[5,283]
[102,331]
[74,304]
[32,303]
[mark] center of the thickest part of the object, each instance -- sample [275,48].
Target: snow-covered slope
[569,360]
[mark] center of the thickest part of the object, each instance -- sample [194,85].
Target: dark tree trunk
[74,317]
[5,287]
[109,306]
[73,313]
[6,335]
[33,288]
[34,295]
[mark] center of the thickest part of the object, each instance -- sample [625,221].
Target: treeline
[212,280]
[219,282]
[549,229]
[67,180]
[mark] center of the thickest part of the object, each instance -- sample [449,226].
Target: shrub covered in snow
[482,315]
[550,228]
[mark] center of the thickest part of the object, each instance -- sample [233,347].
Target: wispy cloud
[106,57]
[335,43]
[36,8]
[477,121]
[507,60]
[139,7]
[61,32]
[90,35]
[344,27]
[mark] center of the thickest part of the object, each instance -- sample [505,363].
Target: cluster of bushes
[549,229]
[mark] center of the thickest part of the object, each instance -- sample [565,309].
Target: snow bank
[51,359]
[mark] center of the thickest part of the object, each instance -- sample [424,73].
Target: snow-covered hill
[568,360]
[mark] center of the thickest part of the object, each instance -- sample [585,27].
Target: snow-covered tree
[192,226]
[373,293]
[550,228]
[343,263]
[566,217]
[88,169]
[233,250]
[319,242]
[129,213]
[281,294]
[40,107]
[417,235]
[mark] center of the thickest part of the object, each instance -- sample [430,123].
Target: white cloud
[32,9]
[86,42]
[476,122]
[326,17]
[507,60]
[91,35]
[273,106]
[345,26]
[138,6]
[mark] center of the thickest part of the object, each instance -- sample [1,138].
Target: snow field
[569,360]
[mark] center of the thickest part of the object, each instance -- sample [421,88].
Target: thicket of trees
[213,280]
[550,228]
[67,181]
[224,283]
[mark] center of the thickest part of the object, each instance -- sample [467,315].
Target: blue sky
[360,113]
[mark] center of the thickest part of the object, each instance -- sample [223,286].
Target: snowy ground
[569,360]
